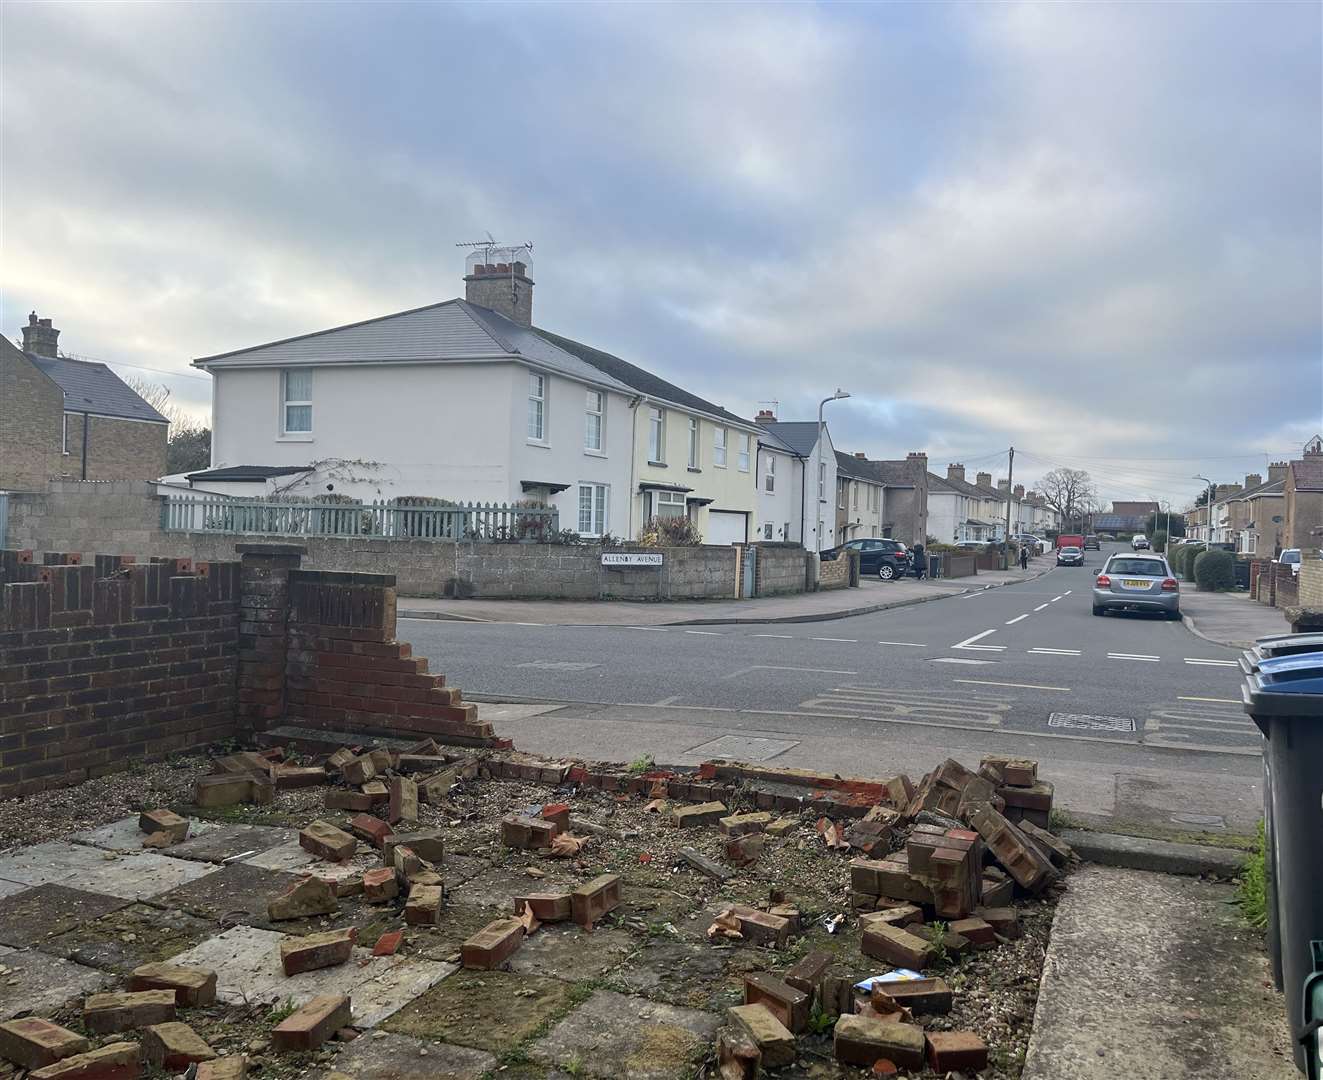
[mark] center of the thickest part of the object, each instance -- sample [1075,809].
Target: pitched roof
[1272,487]
[1308,473]
[857,468]
[800,435]
[896,473]
[960,487]
[452,330]
[247,472]
[635,377]
[92,387]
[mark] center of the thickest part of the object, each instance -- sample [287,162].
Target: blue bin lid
[1293,686]
[1277,647]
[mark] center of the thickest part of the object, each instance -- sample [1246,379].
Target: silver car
[1137,583]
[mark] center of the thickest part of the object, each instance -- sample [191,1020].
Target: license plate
[1130,583]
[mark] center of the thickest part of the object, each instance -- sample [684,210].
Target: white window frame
[286,403]
[537,407]
[842,496]
[720,439]
[693,457]
[594,421]
[656,436]
[769,480]
[785,532]
[742,453]
[64,434]
[822,481]
[666,498]
[854,484]
[767,530]
[599,508]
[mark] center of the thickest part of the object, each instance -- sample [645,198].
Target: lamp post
[821,472]
[1209,542]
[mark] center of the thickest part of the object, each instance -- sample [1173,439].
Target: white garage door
[724,527]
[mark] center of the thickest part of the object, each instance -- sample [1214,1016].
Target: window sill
[295,438]
[657,464]
[593,453]
[692,469]
[541,444]
[718,466]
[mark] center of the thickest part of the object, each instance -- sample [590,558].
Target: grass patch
[640,765]
[1252,885]
[282,1010]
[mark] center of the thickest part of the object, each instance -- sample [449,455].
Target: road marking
[1212,663]
[981,648]
[665,701]
[959,660]
[704,633]
[1041,606]
[657,629]
[1132,656]
[1055,599]
[1067,592]
[971,640]
[1222,700]
[1019,685]
[778,667]
[783,637]
[1012,622]
[530,624]
[844,640]
[1056,652]
[908,644]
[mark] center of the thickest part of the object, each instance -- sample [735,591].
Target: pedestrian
[920,562]
[1024,557]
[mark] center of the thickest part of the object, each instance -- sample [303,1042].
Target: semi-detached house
[467,400]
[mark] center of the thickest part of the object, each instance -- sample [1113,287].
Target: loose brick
[327,842]
[174,1046]
[931,996]
[317,951]
[1020,858]
[520,831]
[243,763]
[708,813]
[761,927]
[951,1050]
[313,1024]
[287,777]
[896,946]
[372,829]
[304,899]
[739,824]
[343,799]
[1020,772]
[493,945]
[864,1039]
[166,821]
[117,1061]
[104,1013]
[1004,920]
[192,986]
[787,1003]
[359,771]
[738,1055]
[979,932]
[558,814]
[34,1043]
[546,907]
[774,1041]
[381,886]
[427,844]
[745,850]
[381,759]
[232,1067]
[997,892]
[403,800]
[783,826]
[338,760]
[231,790]
[349,885]
[808,972]
[436,788]
[901,915]
[423,907]
[1057,849]
[388,944]
[406,862]
[704,865]
[590,902]
[377,792]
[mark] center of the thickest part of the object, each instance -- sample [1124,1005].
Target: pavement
[1154,977]
[1230,618]
[871,595]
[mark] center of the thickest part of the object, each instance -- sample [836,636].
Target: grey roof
[773,441]
[856,468]
[960,487]
[1272,487]
[452,330]
[247,472]
[644,382]
[801,436]
[93,388]
[896,473]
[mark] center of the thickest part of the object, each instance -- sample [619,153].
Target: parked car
[886,558]
[1092,541]
[1070,556]
[1036,544]
[1075,540]
[974,545]
[1139,542]
[1137,583]
[1290,557]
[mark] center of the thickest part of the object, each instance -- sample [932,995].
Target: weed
[574,1067]
[1060,819]
[937,935]
[820,1021]
[641,764]
[1252,885]
[282,1010]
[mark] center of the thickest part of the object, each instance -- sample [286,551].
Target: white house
[859,497]
[788,509]
[960,511]
[466,400]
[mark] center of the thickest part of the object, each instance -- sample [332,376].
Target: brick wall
[1285,587]
[837,573]
[1311,585]
[116,449]
[96,671]
[30,410]
[780,569]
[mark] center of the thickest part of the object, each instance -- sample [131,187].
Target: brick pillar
[263,631]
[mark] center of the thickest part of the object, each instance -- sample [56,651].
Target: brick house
[1303,492]
[1257,515]
[71,419]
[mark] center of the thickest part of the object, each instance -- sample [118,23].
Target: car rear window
[1142,567]
[1070,551]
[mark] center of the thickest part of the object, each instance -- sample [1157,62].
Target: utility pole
[1010,494]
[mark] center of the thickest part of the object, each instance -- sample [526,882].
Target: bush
[670,532]
[1159,541]
[1215,570]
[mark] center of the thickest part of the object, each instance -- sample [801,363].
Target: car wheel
[1098,609]
[1174,616]
[886,571]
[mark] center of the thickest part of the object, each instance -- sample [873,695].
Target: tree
[1157,522]
[1070,492]
[188,446]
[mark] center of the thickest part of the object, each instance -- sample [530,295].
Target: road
[1136,717]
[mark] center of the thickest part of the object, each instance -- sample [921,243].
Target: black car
[886,558]
[1092,541]
[1070,556]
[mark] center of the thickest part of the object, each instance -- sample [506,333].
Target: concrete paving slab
[618,1037]
[1182,993]
[33,982]
[39,913]
[12,888]
[138,877]
[496,888]
[398,1057]
[285,856]
[293,859]
[233,895]
[122,940]
[382,995]
[682,972]
[54,860]
[125,835]
[226,841]
[564,951]
[459,922]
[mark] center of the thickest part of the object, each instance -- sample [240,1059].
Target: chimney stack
[766,416]
[40,337]
[504,288]
[955,472]
[1004,487]
[1277,471]
[984,479]
[1019,491]
[1253,480]
[861,455]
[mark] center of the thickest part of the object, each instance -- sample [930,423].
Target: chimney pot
[492,286]
[1253,480]
[40,337]
[955,472]
[861,455]
[984,479]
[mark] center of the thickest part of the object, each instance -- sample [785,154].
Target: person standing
[920,562]
[1024,557]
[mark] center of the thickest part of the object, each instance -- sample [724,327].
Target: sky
[1091,231]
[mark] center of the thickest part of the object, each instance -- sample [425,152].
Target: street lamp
[821,472]
[1209,542]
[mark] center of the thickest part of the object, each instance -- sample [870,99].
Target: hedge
[1215,570]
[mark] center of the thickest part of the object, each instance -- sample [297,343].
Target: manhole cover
[1087,722]
[742,748]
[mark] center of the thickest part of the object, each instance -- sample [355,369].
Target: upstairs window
[693,443]
[537,407]
[592,420]
[297,397]
[743,454]
[769,481]
[719,447]
[656,436]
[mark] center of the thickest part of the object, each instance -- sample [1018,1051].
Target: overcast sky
[1092,231]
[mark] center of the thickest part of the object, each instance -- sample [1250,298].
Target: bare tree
[1070,492]
[189,443]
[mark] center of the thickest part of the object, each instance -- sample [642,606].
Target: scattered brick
[760,927]
[1020,858]
[428,845]
[325,841]
[493,945]
[1004,920]
[436,788]
[317,950]
[897,947]
[406,862]
[380,886]
[783,826]
[745,850]
[901,915]
[338,760]
[359,771]
[704,865]
[708,813]
[372,829]
[104,1013]
[951,1050]
[997,892]
[349,885]
[403,800]
[520,831]
[789,912]
[381,759]
[426,877]
[288,777]
[376,791]
[738,1055]
[558,814]
[590,902]
[863,1039]
[787,1003]
[243,763]
[982,935]
[231,1067]
[342,799]
[192,986]
[388,944]
[774,1042]
[174,1046]
[868,836]
[807,973]
[423,907]
[739,824]
[931,996]
[546,907]
[313,1024]
[304,899]
[231,790]
[164,821]
[35,1043]
[1057,849]
[897,791]
[117,1061]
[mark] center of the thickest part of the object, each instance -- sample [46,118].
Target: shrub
[1159,541]
[670,532]
[1252,886]
[1215,570]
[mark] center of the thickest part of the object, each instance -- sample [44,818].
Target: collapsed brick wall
[102,664]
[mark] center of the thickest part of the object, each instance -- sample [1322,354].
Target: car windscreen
[1137,567]
[1290,556]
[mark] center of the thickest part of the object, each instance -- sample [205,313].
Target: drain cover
[1086,722]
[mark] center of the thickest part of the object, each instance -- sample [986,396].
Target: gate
[749,574]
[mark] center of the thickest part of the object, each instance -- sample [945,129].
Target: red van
[1071,540]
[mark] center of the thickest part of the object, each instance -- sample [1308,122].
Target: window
[719,447]
[822,481]
[64,434]
[656,436]
[743,454]
[767,530]
[297,394]
[854,485]
[537,407]
[592,509]
[693,443]
[664,504]
[785,531]
[841,486]
[769,481]
[592,420]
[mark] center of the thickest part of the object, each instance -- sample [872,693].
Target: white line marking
[657,629]
[1132,656]
[1041,606]
[981,648]
[1020,685]
[1211,663]
[969,595]
[1055,599]
[1223,700]
[1067,592]
[783,637]
[976,637]
[1056,652]
[845,640]
[1012,622]
[530,624]
[908,644]
[705,633]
